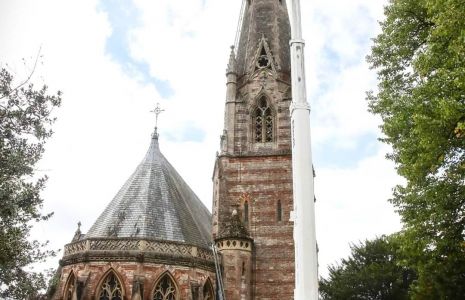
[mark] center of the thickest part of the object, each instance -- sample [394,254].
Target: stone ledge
[128,249]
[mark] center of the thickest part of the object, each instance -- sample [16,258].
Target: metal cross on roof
[157,111]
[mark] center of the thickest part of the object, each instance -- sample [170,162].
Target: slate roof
[155,203]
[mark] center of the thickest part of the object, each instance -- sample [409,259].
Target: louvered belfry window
[111,288]
[263,122]
[165,289]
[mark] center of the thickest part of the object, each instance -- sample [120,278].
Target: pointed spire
[268,18]
[77,234]
[155,134]
[232,64]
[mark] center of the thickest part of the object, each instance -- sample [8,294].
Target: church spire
[268,20]
[232,64]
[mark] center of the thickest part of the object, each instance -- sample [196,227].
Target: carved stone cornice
[137,250]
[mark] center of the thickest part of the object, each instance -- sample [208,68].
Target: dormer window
[263,122]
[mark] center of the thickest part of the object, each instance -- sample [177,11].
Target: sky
[115,60]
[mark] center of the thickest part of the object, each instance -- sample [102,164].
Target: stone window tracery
[165,289]
[263,130]
[208,291]
[111,288]
[263,61]
[70,288]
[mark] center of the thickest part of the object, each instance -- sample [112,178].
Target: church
[156,240]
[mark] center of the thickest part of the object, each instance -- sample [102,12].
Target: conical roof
[155,203]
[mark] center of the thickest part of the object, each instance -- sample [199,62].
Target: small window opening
[246,212]
[243,268]
[279,211]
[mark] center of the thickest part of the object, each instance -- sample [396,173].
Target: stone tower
[252,180]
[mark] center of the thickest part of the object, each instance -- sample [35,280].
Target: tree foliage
[25,121]
[372,272]
[420,60]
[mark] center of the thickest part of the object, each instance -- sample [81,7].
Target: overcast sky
[114,60]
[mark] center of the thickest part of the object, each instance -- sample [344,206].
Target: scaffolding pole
[306,278]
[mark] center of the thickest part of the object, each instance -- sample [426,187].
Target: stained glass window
[263,122]
[111,288]
[165,289]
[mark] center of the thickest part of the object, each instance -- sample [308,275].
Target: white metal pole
[306,265]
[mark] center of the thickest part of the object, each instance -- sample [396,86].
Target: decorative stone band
[234,244]
[154,251]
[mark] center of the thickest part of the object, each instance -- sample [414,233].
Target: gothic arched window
[111,288]
[263,119]
[208,290]
[70,288]
[165,289]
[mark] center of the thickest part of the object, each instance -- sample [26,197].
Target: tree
[372,272]
[420,60]
[25,121]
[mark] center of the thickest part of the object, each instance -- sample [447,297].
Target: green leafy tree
[420,60]
[25,120]
[372,272]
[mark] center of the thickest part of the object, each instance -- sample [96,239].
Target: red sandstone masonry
[128,271]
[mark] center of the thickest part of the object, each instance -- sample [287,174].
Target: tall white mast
[306,278]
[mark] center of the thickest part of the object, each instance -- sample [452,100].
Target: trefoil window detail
[111,288]
[165,289]
[263,122]
[263,61]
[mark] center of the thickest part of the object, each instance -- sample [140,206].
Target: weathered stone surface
[92,275]
[253,175]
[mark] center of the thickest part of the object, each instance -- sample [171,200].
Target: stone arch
[165,288]
[110,287]
[69,292]
[263,120]
[207,290]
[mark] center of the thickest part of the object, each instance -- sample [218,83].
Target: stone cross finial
[157,111]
